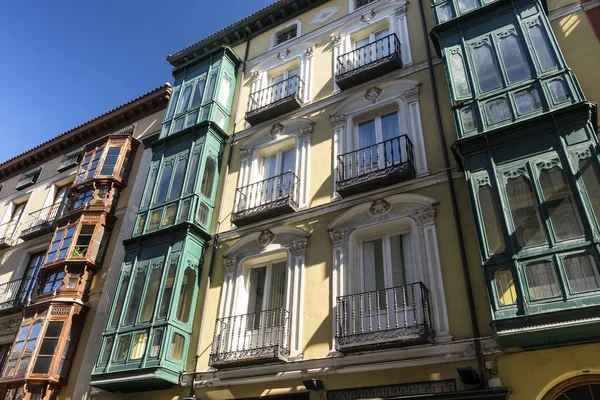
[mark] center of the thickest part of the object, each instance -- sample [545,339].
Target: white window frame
[273,39]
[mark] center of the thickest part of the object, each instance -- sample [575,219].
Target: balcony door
[30,277]
[277,175]
[53,212]
[267,294]
[387,298]
[371,48]
[284,84]
[378,143]
[11,226]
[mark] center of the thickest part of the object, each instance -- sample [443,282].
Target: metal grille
[267,193]
[277,93]
[14,293]
[368,55]
[43,218]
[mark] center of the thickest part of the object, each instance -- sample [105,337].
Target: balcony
[392,317]
[14,294]
[42,221]
[275,100]
[189,209]
[368,62]
[7,234]
[362,3]
[255,338]
[268,198]
[379,165]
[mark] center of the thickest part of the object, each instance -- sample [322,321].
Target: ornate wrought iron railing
[366,56]
[361,3]
[276,93]
[263,335]
[15,293]
[377,160]
[268,193]
[397,314]
[43,219]
[7,233]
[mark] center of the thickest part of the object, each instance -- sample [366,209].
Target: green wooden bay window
[152,314]
[203,92]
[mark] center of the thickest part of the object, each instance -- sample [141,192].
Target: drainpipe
[457,224]
[215,238]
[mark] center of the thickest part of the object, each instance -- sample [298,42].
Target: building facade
[61,203]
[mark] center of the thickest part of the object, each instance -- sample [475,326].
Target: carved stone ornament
[305,133]
[412,94]
[379,208]
[368,17]
[337,237]
[10,327]
[265,238]
[282,55]
[299,247]
[246,153]
[276,130]
[338,119]
[310,51]
[427,215]
[371,95]
[336,39]
[400,11]
[256,75]
[230,264]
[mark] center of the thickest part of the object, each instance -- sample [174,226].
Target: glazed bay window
[22,350]
[179,188]
[106,161]
[79,241]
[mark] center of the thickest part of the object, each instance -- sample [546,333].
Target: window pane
[83,241]
[486,69]
[560,204]
[469,120]
[139,346]
[444,13]
[122,348]
[135,296]
[373,265]
[178,179]
[107,350]
[505,287]
[591,178]
[390,126]
[366,134]
[193,172]
[256,290]
[186,294]
[459,76]
[176,347]
[582,273]
[527,101]
[151,294]
[558,90]
[165,180]
[225,91]
[278,285]
[173,103]
[110,161]
[542,48]
[399,247]
[525,213]
[211,86]
[119,304]
[498,110]
[156,342]
[150,187]
[198,92]
[491,222]
[209,177]
[168,290]
[513,58]
[288,161]
[185,98]
[467,5]
[62,253]
[541,280]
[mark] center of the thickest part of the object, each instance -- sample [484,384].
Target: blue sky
[67,61]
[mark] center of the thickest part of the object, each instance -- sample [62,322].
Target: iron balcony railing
[268,193]
[361,3]
[15,294]
[400,314]
[366,56]
[377,160]
[7,233]
[43,219]
[276,93]
[260,336]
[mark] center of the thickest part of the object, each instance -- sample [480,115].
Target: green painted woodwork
[202,92]
[149,328]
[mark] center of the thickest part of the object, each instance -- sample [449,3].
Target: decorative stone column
[303,137]
[227,290]
[298,250]
[438,299]
[338,240]
[401,28]
[307,75]
[411,99]
[338,41]
[339,125]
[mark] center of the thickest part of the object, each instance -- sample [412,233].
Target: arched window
[582,387]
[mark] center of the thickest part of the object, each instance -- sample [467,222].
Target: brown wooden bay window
[106,161]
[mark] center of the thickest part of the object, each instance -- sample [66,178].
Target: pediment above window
[371,15]
[280,131]
[278,238]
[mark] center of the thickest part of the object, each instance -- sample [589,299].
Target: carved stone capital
[336,39]
[337,237]
[305,133]
[338,120]
[246,153]
[368,17]
[412,94]
[310,51]
[282,55]
[400,11]
[256,75]
[230,264]
[427,215]
[299,247]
